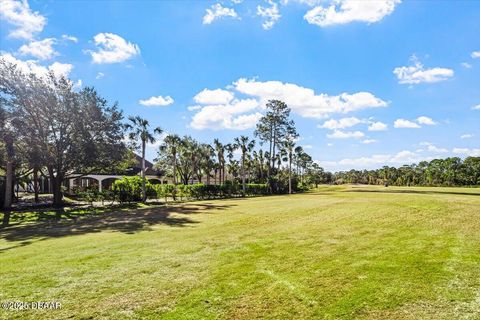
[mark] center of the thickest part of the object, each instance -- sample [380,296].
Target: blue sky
[369,83]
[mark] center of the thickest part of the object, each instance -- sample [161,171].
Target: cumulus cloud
[402,157]
[477,107]
[112,48]
[377,126]
[69,38]
[466,65]
[157,101]
[369,141]
[466,136]
[341,123]
[100,75]
[217,96]
[217,11]
[63,69]
[32,66]
[235,115]
[270,15]
[475,54]
[41,49]
[426,120]
[432,148]
[402,123]
[339,134]
[347,11]
[419,74]
[467,152]
[26,23]
[304,101]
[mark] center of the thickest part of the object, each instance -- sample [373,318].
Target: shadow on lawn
[121,221]
[430,192]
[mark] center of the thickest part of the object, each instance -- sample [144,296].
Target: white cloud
[217,96]
[157,101]
[346,11]
[418,74]
[466,65]
[339,134]
[270,14]
[467,152]
[477,107]
[112,48]
[433,148]
[26,22]
[378,160]
[426,120]
[402,123]
[61,69]
[69,38]
[466,136]
[369,141]
[340,124]
[304,101]
[475,54]
[100,75]
[217,11]
[236,115]
[193,108]
[78,84]
[307,146]
[377,126]
[42,49]
[32,66]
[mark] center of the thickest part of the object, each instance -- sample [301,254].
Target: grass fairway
[335,253]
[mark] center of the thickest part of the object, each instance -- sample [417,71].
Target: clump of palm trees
[283,166]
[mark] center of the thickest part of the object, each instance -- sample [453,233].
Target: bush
[165,191]
[129,189]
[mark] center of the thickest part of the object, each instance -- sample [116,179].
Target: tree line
[438,172]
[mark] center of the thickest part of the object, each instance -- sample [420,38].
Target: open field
[334,253]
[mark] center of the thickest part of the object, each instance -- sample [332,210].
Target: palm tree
[245,145]
[289,147]
[207,163]
[139,129]
[220,149]
[170,148]
[230,149]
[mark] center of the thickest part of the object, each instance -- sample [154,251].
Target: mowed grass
[334,253]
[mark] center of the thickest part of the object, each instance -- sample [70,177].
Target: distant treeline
[438,172]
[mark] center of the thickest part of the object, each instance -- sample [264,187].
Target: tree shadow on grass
[429,192]
[129,222]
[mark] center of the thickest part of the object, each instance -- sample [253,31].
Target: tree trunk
[8,193]
[35,183]
[290,173]
[144,188]
[56,184]
[243,174]
[174,169]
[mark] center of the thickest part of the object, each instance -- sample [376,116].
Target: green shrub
[129,189]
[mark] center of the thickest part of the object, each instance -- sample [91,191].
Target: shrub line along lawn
[334,253]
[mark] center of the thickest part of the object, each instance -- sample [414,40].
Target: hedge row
[204,191]
[129,189]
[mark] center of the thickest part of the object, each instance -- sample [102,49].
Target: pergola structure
[104,181]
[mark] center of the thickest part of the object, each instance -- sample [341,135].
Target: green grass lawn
[335,253]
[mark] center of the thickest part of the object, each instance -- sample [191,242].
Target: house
[104,181]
